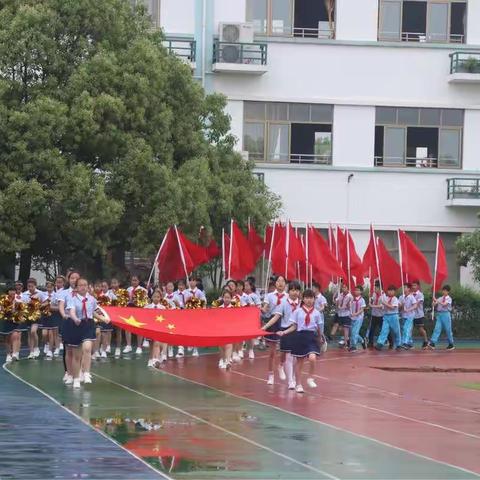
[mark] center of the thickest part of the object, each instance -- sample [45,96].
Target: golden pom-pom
[45,309]
[122,297]
[194,303]
[20,312]
[217,303]
[166,304]
[140,298]
[6,307]
[102,299]
[33,310]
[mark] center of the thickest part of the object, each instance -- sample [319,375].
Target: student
[225,361]
[112,293]
[320,300]
[253,300]
[243,300]
[376,306]
[193,292]
[18,291]
[307,331]
[59,288]
[443,319]
[343,303]
[158,350]
[390,320]
[9,328]
[49,322]
[419,317]
[288,307]
[271,307]
[180,293]
[408,307]
[336,319]
[170,295]
[357,308]
[132,289]
[106,329]
[79,332]
[32,294]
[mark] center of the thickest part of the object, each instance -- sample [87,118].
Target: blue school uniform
[84,308]
[390,322]
[254,299]
[52,321]
[406,303]
[64,295]
[357,321]
[274,302]
[443,320]
[305,339]
[287,308]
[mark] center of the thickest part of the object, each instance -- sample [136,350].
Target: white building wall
[178,16]
[471,140]
[473,22]
[353,136]
[229,11]
[356,20]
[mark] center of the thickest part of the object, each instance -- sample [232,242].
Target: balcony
[463,192]
[406,162]
[244,58]
[464,67]
[183,48]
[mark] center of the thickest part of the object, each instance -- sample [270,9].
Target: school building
[355,111]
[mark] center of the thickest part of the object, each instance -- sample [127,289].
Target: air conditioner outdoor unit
[236,32]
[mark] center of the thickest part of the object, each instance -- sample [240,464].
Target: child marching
[443,319]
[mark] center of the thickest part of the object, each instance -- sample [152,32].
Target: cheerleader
[112,293]
[242,299]
[56,317]
[30,295]
[270,310]
[48,323]
[18,291]
[132,289]
[225,361]
[97,293]
[254,300]
[180,293]
[170,296]
[79,332]
[106,329]
[192,292]
[9,328]
[158,350]
[306,330]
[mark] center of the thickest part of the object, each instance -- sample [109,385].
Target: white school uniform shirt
[407,302]
[131,291]
[194,293]
[244,299]
[376,299]
[171,298]
[111,295]
[42,296]
[419,298]
[355,306]
[56,296]
[274,301]
[66,296]
[299,317]
[286,310]
[155,305]
[180,297]
[444,308]
[254,299]
[77,302]
[343,304]
[320,301]
[393,301]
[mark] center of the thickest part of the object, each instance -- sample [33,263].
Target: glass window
[278,142]
[394,146]
[390,20]
[408,116]
[254,110]
[254,140]
[452,118]
[430,116]
[449,148]
[437,22]
[282,17]
[299,112]
[277,111]
[323,147]
[386,115]
[321,113]
[257,14]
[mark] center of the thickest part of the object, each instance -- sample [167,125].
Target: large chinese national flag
[197,328]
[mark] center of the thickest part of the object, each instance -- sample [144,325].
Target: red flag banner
[415,265]
[324,263]
[389,268]
[240,259]
[441,273]
[197,253]
[212,250]
[257,245]
[171,263]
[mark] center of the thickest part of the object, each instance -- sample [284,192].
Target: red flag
[279,250]
[257,245]
[370,260]
[331,242]
[173,262]
[197,253]
[240,259]
[349,259]
[441,266]
[415,265]
[356,267]
[226,252]
[199,328]
[212,250]
[389,268]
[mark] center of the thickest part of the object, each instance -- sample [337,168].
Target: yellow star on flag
[160,318]
[171,327]
[131,320]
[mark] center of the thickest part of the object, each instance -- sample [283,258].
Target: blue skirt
[74,335]
[304,343]
[273,337]
[105,327]
[50,322]
[7,327]
[286,341]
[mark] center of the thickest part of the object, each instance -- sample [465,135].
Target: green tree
[468,252]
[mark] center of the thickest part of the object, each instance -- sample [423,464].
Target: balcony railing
[465,62]
[421,37]
[463,188]
[181,47]
[408,162]
[296,158]
[240,53]
[319,32]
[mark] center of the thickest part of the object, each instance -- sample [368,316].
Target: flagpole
[307,270]
[224,263]
[230,251]
[182,256]
[269,264]
[377,260]
[348,259]
[263,255]
[400,257]
[330,244]
[435,277]
[158,255]
[287,248]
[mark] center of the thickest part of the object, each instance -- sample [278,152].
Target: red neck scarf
[279,297]
[84,308]
[308,312]
[293,304]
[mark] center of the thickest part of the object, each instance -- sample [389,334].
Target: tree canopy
[106,139]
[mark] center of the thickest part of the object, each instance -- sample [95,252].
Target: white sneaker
[127,349]
[76,383]
[180,352]
[151,362]
[138,351]
[16,356]
[271,379]
[45,348]
[94,355]
[56,352]
[251,354]
[281,373]
[291,385]
[145,343]
[103,354]
[8,359]
[60,347]
[189,349]
[221,363]
[170,352]
[49,355]
[195,352]
[82,377]
[67,379]
[311,383]
[109,349]
[235,357]
[87,377]
[240,353]
[117,352]
[163,358]
[36,353]
[31,356]
[299,389]
[256,342]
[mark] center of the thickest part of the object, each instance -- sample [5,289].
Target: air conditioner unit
[236,32]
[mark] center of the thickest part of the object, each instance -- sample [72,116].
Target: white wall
[471,140]
[229,11]
[356,20]
[353,135]
[178,16]
[234,108]
[473,22]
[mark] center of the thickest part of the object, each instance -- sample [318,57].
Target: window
[153,9]
[418,137]
[299,18]
[422,20]
[288,132]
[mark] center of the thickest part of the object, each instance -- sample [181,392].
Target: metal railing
[468,188]
[181,47]
[304,32]
[408,162]
[421,37]
[465,62]
[242,53]
[311,158]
